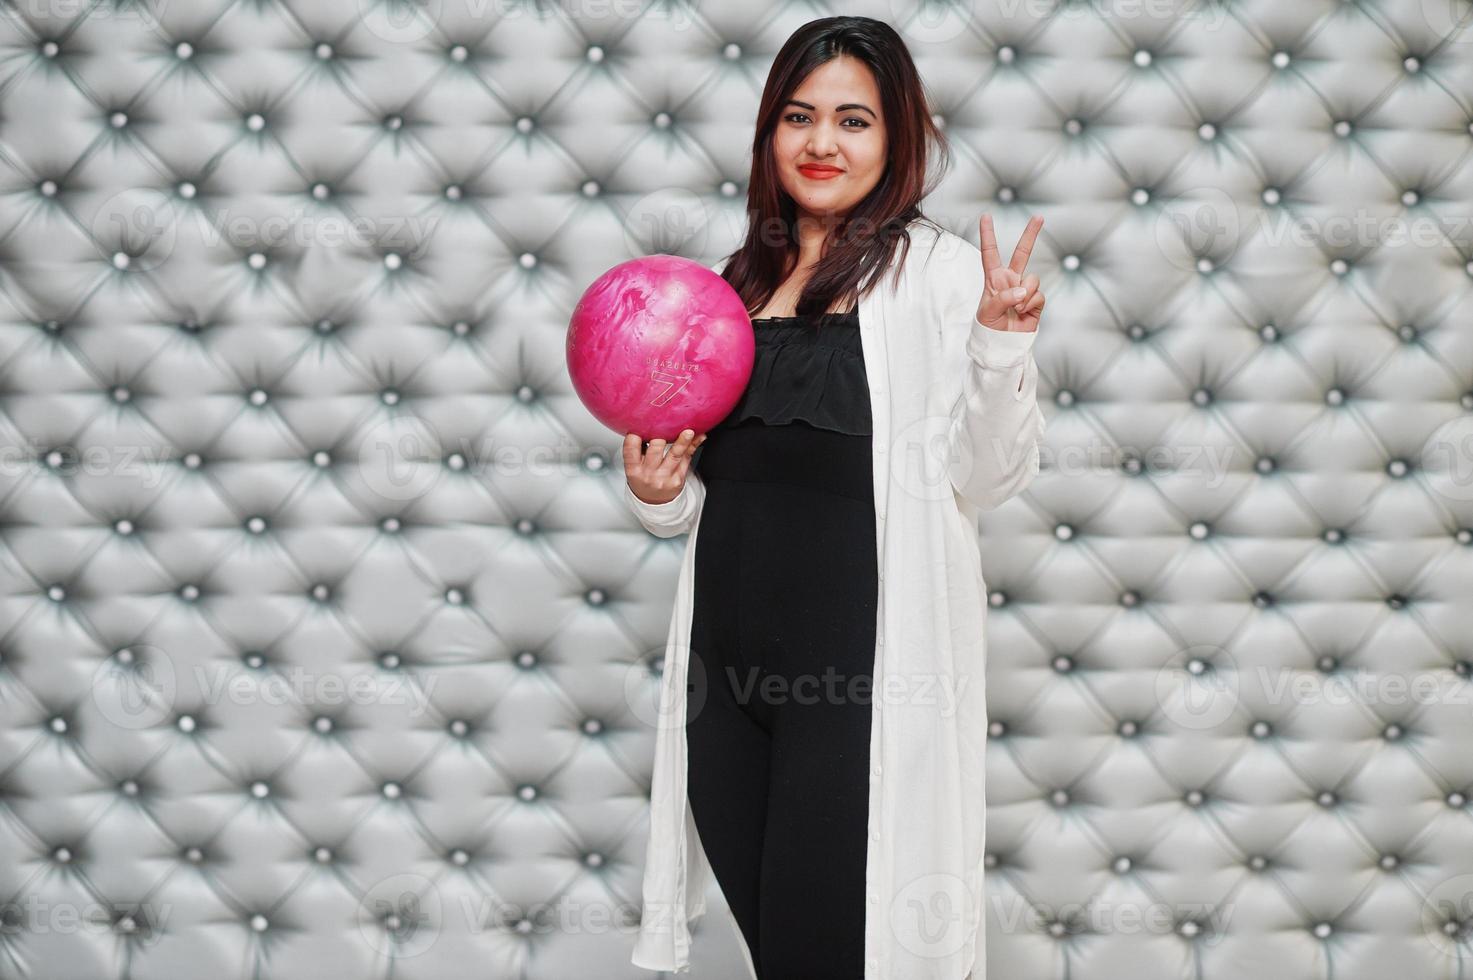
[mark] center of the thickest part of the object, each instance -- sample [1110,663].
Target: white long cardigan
[957,429]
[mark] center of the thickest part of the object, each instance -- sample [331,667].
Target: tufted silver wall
[328,647]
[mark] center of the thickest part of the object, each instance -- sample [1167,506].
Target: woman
[823,751]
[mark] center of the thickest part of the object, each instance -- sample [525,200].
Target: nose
[821,142]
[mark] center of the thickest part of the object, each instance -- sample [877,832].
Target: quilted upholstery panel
[328,648]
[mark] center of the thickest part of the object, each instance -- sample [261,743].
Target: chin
[829,205]
[818,197]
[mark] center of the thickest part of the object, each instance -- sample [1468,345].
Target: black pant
[782,661]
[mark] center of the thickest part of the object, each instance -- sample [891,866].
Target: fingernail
[1017,292]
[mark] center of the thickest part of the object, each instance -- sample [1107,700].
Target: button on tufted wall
[327,646]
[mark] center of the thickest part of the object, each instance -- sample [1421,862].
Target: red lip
[821,172]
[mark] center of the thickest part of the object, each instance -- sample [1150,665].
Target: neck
[813,231]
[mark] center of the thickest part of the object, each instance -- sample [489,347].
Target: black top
[808,368]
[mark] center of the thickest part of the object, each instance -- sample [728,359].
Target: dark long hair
[863,243]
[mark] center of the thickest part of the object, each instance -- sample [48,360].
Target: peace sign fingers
[992,258]
[1025,245]
[1008,299]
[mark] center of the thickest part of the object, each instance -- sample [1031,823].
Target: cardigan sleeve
[675,516]
[996,430]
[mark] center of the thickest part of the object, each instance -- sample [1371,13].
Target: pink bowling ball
[660,344]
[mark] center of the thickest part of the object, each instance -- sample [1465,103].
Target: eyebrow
[839,108]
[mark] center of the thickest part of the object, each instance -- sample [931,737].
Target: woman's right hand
[655,476]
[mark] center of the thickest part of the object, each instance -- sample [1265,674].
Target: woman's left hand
[1010,300]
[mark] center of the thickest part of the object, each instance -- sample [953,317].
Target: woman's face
[832,120]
